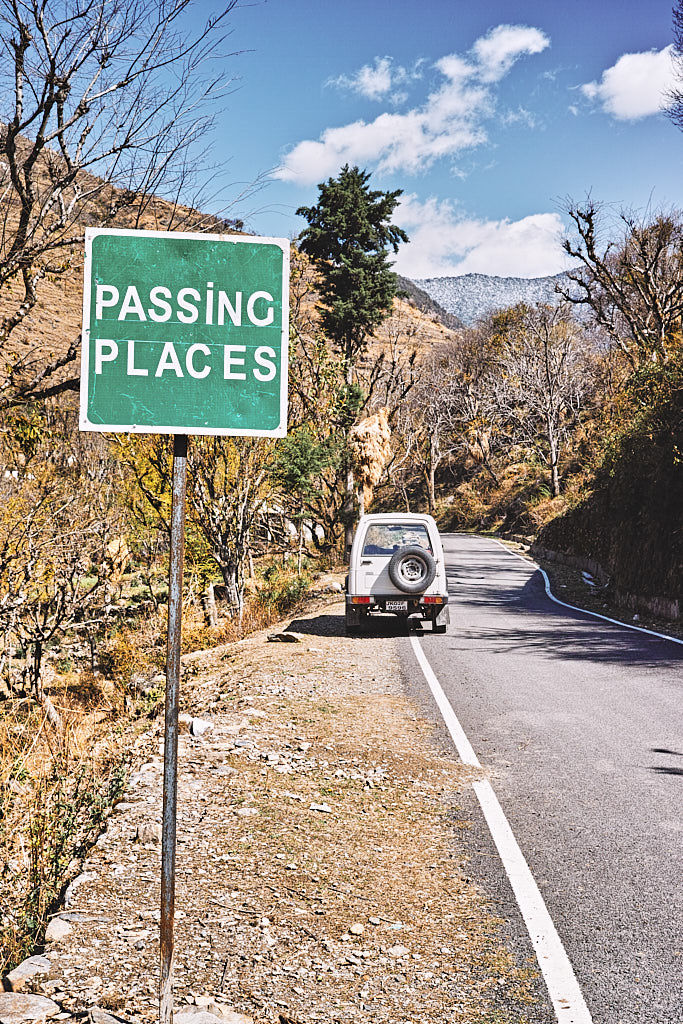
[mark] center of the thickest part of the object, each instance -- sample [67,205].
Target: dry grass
[57,786]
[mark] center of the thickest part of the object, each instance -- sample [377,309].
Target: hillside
[419,298]
[417,322]
[471,296]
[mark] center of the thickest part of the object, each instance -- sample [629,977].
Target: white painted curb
[584,611]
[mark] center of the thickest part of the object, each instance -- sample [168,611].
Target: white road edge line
[563,988]
[575,608]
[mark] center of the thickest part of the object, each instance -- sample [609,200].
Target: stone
[81,917]
[68,896]
[323,808]
[27,969]
[200,727]
[233,1017]
[246,812]
[148,832]
[284,638]
[98,1016]
[195,1017]
[57,930]
[398,951]
[357,929]
[16,1008]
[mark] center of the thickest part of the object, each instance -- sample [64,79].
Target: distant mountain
[471,296]
[426,303]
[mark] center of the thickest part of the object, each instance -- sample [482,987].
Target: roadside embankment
[319,873]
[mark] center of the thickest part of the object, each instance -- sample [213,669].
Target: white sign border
[136,428]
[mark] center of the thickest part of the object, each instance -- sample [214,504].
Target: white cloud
[376,80]
[451,119]
[636,86]
[498,51]
[372,81]
[443,243]
[410,142]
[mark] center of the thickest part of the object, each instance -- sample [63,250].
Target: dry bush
[56,792]
[370,447]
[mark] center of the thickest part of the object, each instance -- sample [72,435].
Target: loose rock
[16,1008]
[195,1017]
[27,969]
[148,832]
[398,951]
[200,726]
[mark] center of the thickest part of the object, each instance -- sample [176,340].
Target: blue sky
[486,114]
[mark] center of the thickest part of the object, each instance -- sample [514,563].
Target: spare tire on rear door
[412,569]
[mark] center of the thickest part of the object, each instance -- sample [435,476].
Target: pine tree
[348,237]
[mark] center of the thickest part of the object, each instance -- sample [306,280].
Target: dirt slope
[319,876]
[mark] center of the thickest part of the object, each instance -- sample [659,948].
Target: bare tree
[429,418]
[674,106]
[633,286]
[542,382]
[229,486]
[228,489]
[56,534]
[474,413]
[102,105]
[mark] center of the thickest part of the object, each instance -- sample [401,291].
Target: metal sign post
[168,832]
[182,334]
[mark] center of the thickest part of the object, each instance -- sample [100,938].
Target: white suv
[397,565]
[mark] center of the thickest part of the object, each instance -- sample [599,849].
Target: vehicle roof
[396,517]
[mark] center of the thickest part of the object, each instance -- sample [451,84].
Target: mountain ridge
[471,296]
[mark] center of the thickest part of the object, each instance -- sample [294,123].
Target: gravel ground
[320,877]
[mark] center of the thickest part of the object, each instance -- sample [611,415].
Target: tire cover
[412,569]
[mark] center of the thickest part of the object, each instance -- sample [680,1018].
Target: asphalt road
[580,724]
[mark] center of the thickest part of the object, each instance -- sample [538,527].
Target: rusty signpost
[182,334]
[168,828]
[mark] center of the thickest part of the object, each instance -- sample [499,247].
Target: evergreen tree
[348,237]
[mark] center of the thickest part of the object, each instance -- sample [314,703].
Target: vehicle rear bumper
[403,604]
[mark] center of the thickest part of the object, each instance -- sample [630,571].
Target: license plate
[396,606]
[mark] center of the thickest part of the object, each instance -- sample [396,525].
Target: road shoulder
[320,874]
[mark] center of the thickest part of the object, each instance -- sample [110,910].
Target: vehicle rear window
[384,539]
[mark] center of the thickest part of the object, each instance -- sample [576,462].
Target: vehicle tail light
[361,600]
[433,599]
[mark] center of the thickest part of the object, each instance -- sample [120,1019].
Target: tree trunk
[209,606]
[230,578]
[553,459]
[554,480]
[300,557]
[348,513]
[35,668]
[431,484]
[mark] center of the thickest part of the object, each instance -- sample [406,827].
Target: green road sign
[184,333]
